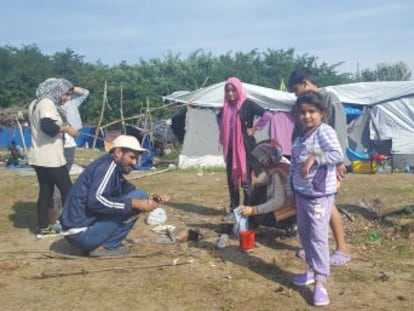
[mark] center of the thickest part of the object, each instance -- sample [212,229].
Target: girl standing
[315,155]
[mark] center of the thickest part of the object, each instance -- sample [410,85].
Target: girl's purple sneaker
[320,295]
[304,279]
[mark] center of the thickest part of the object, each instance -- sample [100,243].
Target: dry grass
[380,276]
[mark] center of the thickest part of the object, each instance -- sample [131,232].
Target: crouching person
[102,206]
[275,209]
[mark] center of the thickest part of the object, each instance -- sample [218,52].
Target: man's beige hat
[129,142]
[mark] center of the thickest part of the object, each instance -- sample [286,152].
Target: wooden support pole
[22,136]
[121,104]
[104,102]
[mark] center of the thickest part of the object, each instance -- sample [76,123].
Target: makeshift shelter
[386,123]
[201,144]
[381,116]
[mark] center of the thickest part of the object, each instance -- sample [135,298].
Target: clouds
[367,32]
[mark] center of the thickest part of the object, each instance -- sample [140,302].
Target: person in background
[276,168]
[15,153]
[300,81]
[47,123]
[236,135]
[312,183]
[102,206]
[71,110]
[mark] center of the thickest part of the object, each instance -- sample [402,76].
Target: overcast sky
[364,32]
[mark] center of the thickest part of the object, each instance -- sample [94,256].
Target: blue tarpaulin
[86,136]
[10,134]
[146,159]
[85,139]
[352,112]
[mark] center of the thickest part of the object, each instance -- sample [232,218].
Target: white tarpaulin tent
[201,143]
[388,113]
[388,116]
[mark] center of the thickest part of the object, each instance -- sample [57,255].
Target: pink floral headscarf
[238,170]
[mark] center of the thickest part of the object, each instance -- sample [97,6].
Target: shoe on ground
[229,217]
[57,226]
[104,252]
[304,279]
[49,231]
[339,258]
[320,295]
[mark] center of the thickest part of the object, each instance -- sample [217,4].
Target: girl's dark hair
[312,98]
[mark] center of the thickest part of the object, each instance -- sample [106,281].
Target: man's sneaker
[320,295]
[230,218]
[304,279]
[104,252]
[57,226]
[49,231]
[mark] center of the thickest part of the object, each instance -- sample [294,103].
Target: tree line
[22,69]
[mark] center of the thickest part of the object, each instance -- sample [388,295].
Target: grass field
[44,274]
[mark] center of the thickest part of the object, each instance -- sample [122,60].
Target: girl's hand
[340,172]
[250,131]
[307,165]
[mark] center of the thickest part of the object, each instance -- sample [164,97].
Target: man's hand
[160,198]
[144,205]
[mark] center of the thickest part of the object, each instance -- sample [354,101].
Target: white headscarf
[54,89]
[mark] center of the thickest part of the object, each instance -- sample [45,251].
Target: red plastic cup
[246,239]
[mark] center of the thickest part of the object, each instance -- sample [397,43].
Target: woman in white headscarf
[48,124]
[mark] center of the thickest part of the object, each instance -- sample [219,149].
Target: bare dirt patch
[160,275]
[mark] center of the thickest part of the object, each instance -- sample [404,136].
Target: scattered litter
[189,235]
[222,241]
[157,217]
[162,229]
[166,233]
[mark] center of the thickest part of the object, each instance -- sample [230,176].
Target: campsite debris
[373,236]
[51,274]
[384,276]
[56,255]
[189,235]
[148,174]
[165,230]
[222,241]
[343,211]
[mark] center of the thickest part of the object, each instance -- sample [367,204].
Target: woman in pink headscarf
[237,138]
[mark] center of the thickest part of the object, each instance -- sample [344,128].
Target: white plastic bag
[157,217]
[241,223]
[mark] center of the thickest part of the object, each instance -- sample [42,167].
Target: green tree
[386,72]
